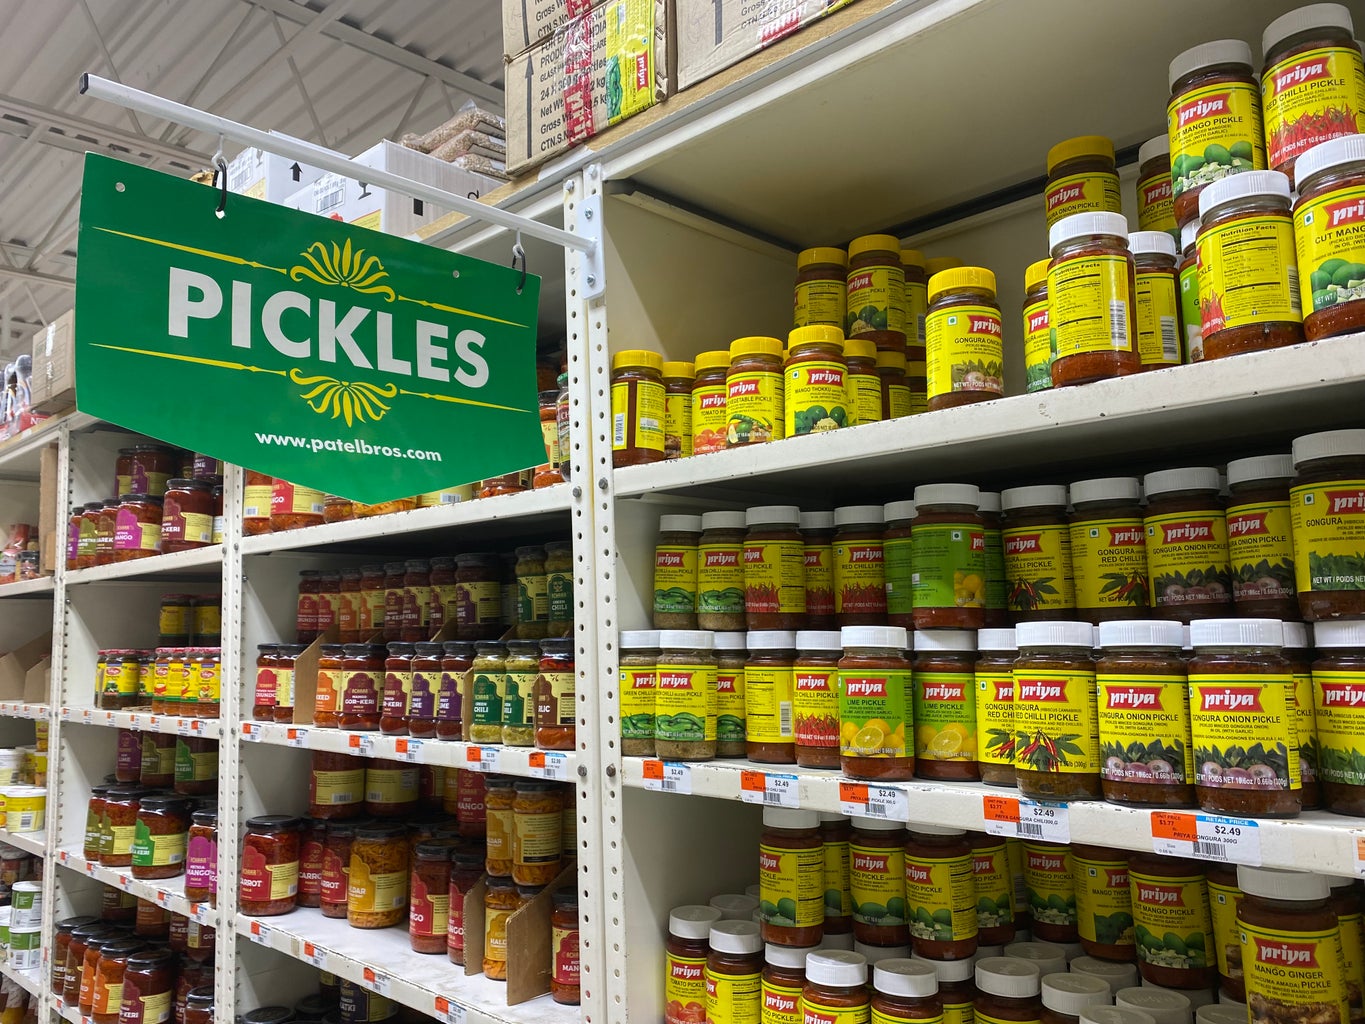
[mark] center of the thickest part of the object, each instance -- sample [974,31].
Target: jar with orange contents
[547,474]
[361,686]
[508,483]
[331,673]
[1091,284]
[836,988]
[256,496]
[105,531]
[708,402]
[500,901]
[499,795]
[754,393]
[537,820]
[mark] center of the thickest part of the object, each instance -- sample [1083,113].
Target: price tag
[250,731]
[1025,819]
[295,736]
[448,1011]
[259,933]
[769,790]
[1206,837]
[481,759]
[667,777]
[361,743]
[314,955]
[63,857]
[405,749]
[187,726]
[161,896]
[86,716]
[377,980]
[857,799]
[146,723]
[551,766]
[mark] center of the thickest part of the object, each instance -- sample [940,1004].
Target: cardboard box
[18,680]
[262,175]
[596,71]
[525,22]
[324,197]
[712,35]
[54,365]
[381,210]
[51,529]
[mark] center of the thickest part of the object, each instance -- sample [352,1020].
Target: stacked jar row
[183,681]
[337,1001]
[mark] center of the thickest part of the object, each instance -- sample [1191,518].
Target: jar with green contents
[708,402]
[675,572]
[520,669]
[559,586]
[1191,322]
[964,339]
[1339,700]
[861,382]
[636,678]
[876,292]
[1108,549]
[897,563]
[731,710]
[1050,884]
[1038,346]
[940,892]
[815,392]
[1300,660]
[1081,177]
[685,696]
[720,572]
[533,593]
[1187,544]
[754,393]
[490,686]
[819,296]
[1327,229]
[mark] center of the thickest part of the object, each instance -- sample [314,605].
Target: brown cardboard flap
[473,927]
[15,665]
[306,676]
[51,528]
[37,681]
[528,943]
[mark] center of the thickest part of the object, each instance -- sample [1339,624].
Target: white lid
[1189,234]
[1221,1014]
[754,890]
[818,640]
[1295,635]
[1108,488]
[1301,20]
[1072,993]
[1156,146]
[692,922]
[788,956]
[1188,478]
[1332,633]
[1349,149]
[735,906]
[944,639]
[636,638]
[722,521]
[1236,633]
[729,641]
[853,515]
[947,494]
[771,640]
[1115,975]
[837,940]
[778,514]
[1165,1006]
[1054,634]
[1159,242]
[901,976]
[1031,497]
[787,817]
[686,639]
[1327,444]
[1277,884]
[1219,51]
[817,520]
[1242,186]
[836,968]
[680,524]
[1049,957]
[949,971]
[1116,1015]
[996,640]
[1141,633]
[894,510]
[27,886]
[1197,996]
[1079,225]
[828,816]
[878,825]
[1008,976]
[1227,1000]
[935,830]
[1260,467]
[874,636]
[989,501]
[876,954]
[736,937]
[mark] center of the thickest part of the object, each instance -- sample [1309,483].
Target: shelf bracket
[591,261]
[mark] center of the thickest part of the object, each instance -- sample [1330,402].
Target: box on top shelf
[54,365]
[23,671]
[370,207]
[712,35]
[526,22]
[595,71]
[261,175]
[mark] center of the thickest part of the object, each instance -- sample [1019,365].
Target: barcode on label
[1217,850]
[1295,302]
[1028,828]
[1118,324]
[668,785]
[618,430]
[784,714]
[1170,340]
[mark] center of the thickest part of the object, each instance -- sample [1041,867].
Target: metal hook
[518,253]
[220,179]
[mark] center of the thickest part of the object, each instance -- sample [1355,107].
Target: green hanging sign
[327,355]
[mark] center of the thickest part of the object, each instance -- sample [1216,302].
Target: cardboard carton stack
[473,140]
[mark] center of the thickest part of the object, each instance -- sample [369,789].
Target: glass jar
[336,509]
[1329,468]
[685,696]
[362,682]
[836,833]
[815,396]
[1156,299]
[269,880]
[1156,204]
[994,885]
[537,822]
[817,534]
[397,689]
[137,527]
[874,697]
[82,937]
[1091,287]
[1067,996]
[559,578]
[948,555]
[392,788]
[256,495]
[120,819]
[500,902]
[815,698]
[708,402]
[636,677]
[466,872]
[176,620]
[1330,177]
[1036,548]
[1108,549]
[88,527]
[420,714]
[157,767]
[895,386]
[637,408]
[1300,660]
[160,836]
[1259,543]
[377,890]
[416,619]
[1081,177]
[1104,902]
[734,968]
[964,339]
[836,987]
[106,520]
[720,572]
[106,987]
[456,659]
[774,568]
[499,795]
[429,910]
[820,294]
[1187,544]
[675,572]
[394,575]
[556,706]
[123,471]
[754,391]
[1038,347]
[336,867]
[521,668]
[489,690]
[784,976]
[875,292]
[791,862]
[1338,678]
[863,385]
[201,858]
[564,959]
[547,474]
[151,466]
[331,677]
[940,888]
[915,271]
[293,506]
[312,847]
[187,515]
[533,593]
[94,818]
[1054,697]
[118,680]
[508,483]
[945,705]
[858,561]
[1190,318]
[678,380]
[478,583]
[148,981]
[1170,905]
[993,675]
[306,610]
[329,600]
[1247,306]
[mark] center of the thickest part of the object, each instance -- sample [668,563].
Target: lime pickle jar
[1056,728]
[1091,285]
[948,553]
[964,339]
[875,704]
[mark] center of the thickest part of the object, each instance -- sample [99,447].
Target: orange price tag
[1000,808]
[753,782]
[401,745]
[353,741]
[653,770]
[1174,825]
[536,759]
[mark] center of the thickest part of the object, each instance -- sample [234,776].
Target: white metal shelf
[20,709]
[30,842]
[31,981]
[194,564]
[142,721]
[42,586]
[165,892]
[383,960]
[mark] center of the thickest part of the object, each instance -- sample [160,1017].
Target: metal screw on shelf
[577,493]
[569,185]
[611,771]
[592,280]
[601,483]
[582,772]
[587,213]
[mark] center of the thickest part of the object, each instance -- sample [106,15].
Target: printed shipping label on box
[53,384]
[596,71]
[266,176]
[712,35]
[525,22]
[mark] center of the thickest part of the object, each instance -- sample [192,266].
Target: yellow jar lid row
[961,277]
[816,334]
[938,264]
[756,347]
[679,370]
[637,357]
[821,254]
[1036,274]
[873,243]
[895,360]
[857,348]
[711,360]
[1081,145]
[912,258]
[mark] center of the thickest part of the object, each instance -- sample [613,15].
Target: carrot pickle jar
[1155,203]
[1172,921]
[1007,991]
[876,881]
[1039,350]
[964,339]
[1242,719]
[734,970]
[637,408]
[875,292]
[1248,300]
[1327,226]
[859,566]
[1055,714]
[1156,298]
[1260,548]
[836,988]
[774,568]
[993,675]
[754,411]
[905,991]
[791,863]
[1091,288]
[821,290]
[940,893]
[708,402]
[815,698]
[1339,700]
[815,394]
[678,380]
[1081,177]
[1187,544]
[685,954]
[768,686]
[945,704]
[875,707]
[1325,506]
[1104,902]
[1037,553]
[1144,715]
[948,553]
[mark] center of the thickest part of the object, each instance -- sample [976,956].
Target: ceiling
[341,73]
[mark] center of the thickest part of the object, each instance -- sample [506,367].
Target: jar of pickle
[537,812]
[361,685]
[397,689]
[377,892]
[331,673]
[521,668]
[421,713]
[559,586]
[456,659]
[556,711]
[489,689]
[500,902]
[416,619]
[533,598]
[256,495]
[499,796]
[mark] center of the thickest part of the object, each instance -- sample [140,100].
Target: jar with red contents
[349,608]
[1091,284]
[306,613]
[391,788]
[470,804]
[269,881]
[564,961]
[429,905]
[416,618]
[293,506]
[397,688]
[362,683]
[105,529]
[61,942]
[394,575]
[457,657]
[201,858]
[137,527]
[148,982]
[312,837]
[329,599]
[153,921]
[370,617]
[336,867]
[193,977]
[267,681]
[466,869]
[187,515]
[81,938]
[421,716]
[256,494]
[286,656]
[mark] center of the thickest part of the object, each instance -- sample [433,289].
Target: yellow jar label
[875,300]
[874,707]
[1306,716]
[1171,919]
[768,703]
[964,351]
[1190,317]
[753,407]
[781,1004]
[1156,204]
[1090,304]
[1038,568]
[644,428]
[900,402]
[1145,729]
[815,706]
[1311,97]
[1104,904]
[945,716]
[549,433]
[720,578]
[1261,551]
[635,691]
[1109,563]
[1158,319]
[1081,193]
[1187,557]
[791,886]
[1245,732]
[819,302]
[1049,883]
[959,1013]
[1056,725]
[1223,900]
[838,901]
[775,577]
[1299,973]
[940,897]
[678,424]
[733,998]
[338,787]
[1038,350]
[876,879]
[1339,699]
[1215,131]
[708,419]
[675,579]
[1328,529]
[684,989]
[994,885]
[995,717]
[859,578]
[819,579]
[864,397]
[1248,273]
[1353,956]
[816,398]
[916,308]
[1329,231]
[818,1013]
[391,786]
[730,705]
[256,501]
[949,562]
[685,703]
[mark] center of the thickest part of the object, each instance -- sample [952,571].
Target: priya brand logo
[1049,862]
[1230,698]
[833,378]
[721,559]
[865,686]
[813,683]
[918,874]
[1247,524]
[1185,533]
[680,971]
[1004,690]
[713,400]
[1156,193]
[872,863]
[1346,503]
[859,281]
[769,861]
[1204,107]
[1286,954]
[865,554]
[1023,544]
[1037,321]
[778,1003]
[1160,895]
[1343,695]
[675,681]
[1064,194]
[668,559]
[1047,691]
[1134,698]
[1339,214]
[984,325]
[1298,74]
[945,691]
[743,388]
[1125,536]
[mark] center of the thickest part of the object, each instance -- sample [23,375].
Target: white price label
[360,743]
[315,955]
[406,749]
[1206,837]
[768,789]
[188,726]
[667,777]
[251,731]
[545,765]
[296,736]
[259,933]
[481,759]
[377,981]
[1018,818]
[858,800]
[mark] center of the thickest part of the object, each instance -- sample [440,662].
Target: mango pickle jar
[1156,299]
[1081,177]
[875,704]
[1057,756]
[1039,350]
[815,393]
[875,293]
[1104,903]
[1187,544]
[708,402]
[1171,901]
[1036,541]
[836,832]
[774,568]
[859,570]
[1156,206]
[897,400]
[1091,285]
[1327,225]
[820,293]
[948,555]
[815,698]
[1327,518]
[945,704]
[940,892]
[754,392]
[1339,700]
[791,863]
[1191,322]
[964,339]
[685,696]
[678,380]
[1260,548]
[993,675]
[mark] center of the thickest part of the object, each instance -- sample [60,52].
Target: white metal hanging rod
[329,160]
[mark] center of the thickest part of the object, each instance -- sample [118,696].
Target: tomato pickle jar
[836,987]
[774,558]
[948,555]
[708,402]
[945,704]
[1328,489]
[685,955]
[1036,543]
[964,339]
[815,698]
[875,293]
[940,893]
[1091,287]
[791,864]
[1055,713]
[1338,688]
[820,293]
[1172,921]
[637,408]
[1331,179]
[1187,544]
[876,880]
[875,704]
[754,392]
[1008,990]
[1081,177]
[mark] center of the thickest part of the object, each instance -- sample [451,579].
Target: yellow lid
[938,264]
[873,243]
[961,277]
[821,254]
[710,360]
[1081,145]
[857,348]
[679,370]
[637,357]
[816,334]
[912,258]
[892,359]
[755,347]
[1035,274]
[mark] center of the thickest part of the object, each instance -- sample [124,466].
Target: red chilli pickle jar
[1325,508]
[1339,700]
[1243,723]
[815,698]
[964,339]
[875,704]
[685,953]
[994,678]
[1008,991]
[1036,544]
[1260,548]
[768,693]
[940,893]
[945,705]
[948,554]
[774,561]
[836,988]
[1248,305]
[1144,715]
[1108,549]
[1327,225]
[905,992]
[859,570]
[791,873]
[1187,544]
[1091,284]
[1055,715]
